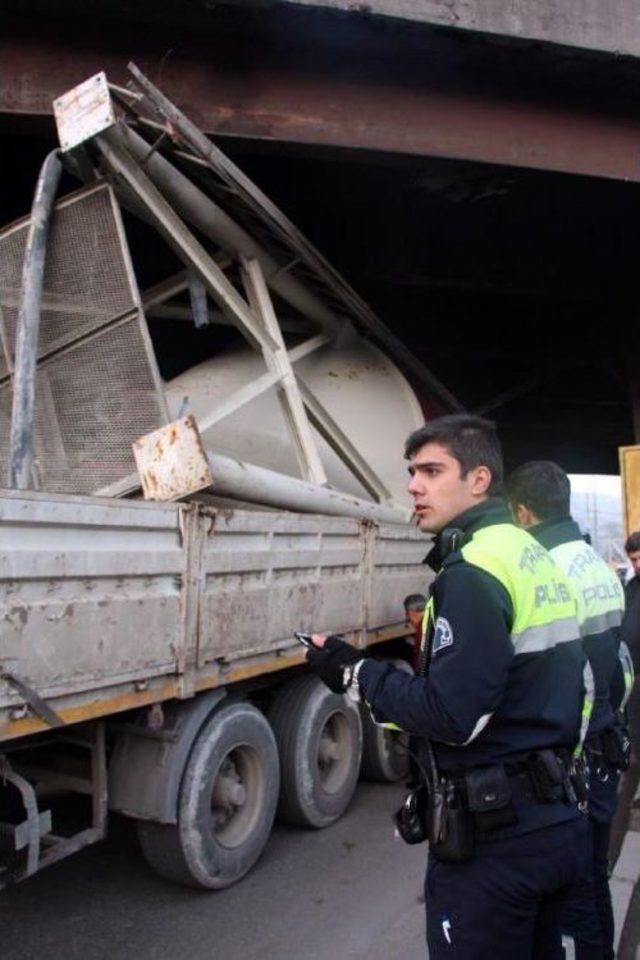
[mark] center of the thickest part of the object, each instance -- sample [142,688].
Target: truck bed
[107,605]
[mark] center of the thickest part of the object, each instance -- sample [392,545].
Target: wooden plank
[630,477]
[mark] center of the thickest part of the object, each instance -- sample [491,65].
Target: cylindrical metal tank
[362,389]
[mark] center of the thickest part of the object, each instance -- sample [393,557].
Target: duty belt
[483,801]
[544,776]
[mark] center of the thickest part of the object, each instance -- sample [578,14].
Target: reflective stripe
[601,622]
[587,706]
[479,727]
[628,671]
[546,636]
[385,724]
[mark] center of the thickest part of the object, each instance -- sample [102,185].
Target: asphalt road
[349,892]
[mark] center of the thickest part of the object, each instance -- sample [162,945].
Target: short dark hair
[543,487]
[633,542]
[473,442]
[415,601]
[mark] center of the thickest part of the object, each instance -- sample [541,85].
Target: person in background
[631,636]
[631,620]
[539,494]
[414,606]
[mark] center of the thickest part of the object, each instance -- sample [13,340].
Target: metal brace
[28,833]
[39,706]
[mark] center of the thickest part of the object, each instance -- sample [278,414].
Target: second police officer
[497,706]
[539,494]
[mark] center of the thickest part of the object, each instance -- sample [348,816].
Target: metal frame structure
[281,259]
[39,355]
[250,207]
[165,197]
[33,834]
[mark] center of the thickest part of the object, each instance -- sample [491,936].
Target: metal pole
[246,481]
[22,412]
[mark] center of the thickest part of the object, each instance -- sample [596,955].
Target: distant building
[596,505]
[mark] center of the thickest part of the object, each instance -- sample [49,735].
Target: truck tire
[319,737]
[227,803]
[385,757]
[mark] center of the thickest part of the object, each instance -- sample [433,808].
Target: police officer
[539,495]
[496,704]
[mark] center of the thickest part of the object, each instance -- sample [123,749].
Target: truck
[148,663]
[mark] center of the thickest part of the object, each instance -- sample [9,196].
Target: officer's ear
[524,517]
[480,481]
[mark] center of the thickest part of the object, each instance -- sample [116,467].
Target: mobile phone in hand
[305,639]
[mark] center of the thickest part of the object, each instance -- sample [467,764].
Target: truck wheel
[319,737]
[385,757]
[384,752]
[227,803]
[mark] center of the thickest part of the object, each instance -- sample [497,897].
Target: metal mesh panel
[97,390]
[92,401]
[86,281]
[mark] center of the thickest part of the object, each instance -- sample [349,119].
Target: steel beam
[337,108]
[279,363]
[575,23]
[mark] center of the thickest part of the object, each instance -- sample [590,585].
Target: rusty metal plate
[172,462]
[84,111]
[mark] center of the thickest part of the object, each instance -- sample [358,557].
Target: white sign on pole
[84,111]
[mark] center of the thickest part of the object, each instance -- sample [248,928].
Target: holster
[548,776]
[439,817]
[412,817]
[616,747]
[456,842]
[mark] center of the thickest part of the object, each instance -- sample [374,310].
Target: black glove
[329,661]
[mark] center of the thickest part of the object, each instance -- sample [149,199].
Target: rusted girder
[331,107]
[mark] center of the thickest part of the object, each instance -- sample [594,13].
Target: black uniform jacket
[480,703]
